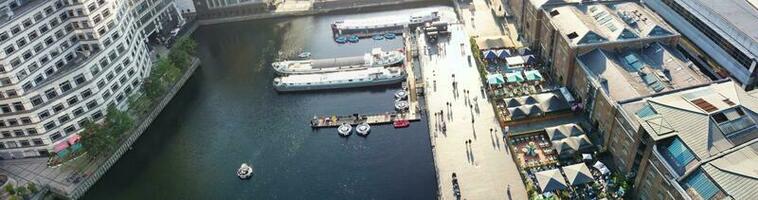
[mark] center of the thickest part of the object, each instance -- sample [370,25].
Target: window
[5,108]
[86,93]
[55,137]
[44,114]
[50,125]
[58,108]
[31,131]
[92,104]
[80,79]
[19,106]
[26,120]
[65,86]
[51,93]
[78,111]
[63,119]
[13,122]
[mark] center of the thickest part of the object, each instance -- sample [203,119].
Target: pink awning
[60,146]
[74,138]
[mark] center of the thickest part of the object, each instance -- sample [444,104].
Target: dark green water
[228,113]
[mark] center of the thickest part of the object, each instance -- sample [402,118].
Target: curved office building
[63,62]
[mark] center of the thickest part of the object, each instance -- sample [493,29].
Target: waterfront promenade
[484,168]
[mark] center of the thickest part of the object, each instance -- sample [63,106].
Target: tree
[32,187]
[117,121]
[95,140]
[186,45]
[10,189]
[181,59]
[22,191]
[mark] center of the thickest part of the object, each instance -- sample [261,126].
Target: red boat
[401,123]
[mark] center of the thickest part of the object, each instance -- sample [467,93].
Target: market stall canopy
[515,60]
[578,174]
[514,77]
[564,131]
[74,138]
[601,167]
[533,75]
[512,102]
[550,180]
[495,79]
[60,146]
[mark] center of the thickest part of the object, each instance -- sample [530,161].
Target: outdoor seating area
[568,139]
[512,73]
[574,181]
[534,151]
[66,150]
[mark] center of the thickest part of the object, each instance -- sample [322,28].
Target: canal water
[229,113]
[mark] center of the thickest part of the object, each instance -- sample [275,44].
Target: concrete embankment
[330,7]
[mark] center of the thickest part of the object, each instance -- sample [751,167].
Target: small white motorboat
[245,171]
[402,94]
[344,129]
[304,55]
[401,105]
[363,128]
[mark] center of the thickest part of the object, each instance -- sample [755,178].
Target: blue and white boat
[389,36]
[378,37]
[341,39]
[353,39]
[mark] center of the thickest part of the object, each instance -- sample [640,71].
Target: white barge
[375,58]
[344,79]
[383,23]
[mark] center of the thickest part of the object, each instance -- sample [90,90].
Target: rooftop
[632,73]
[707,134]
[601,22]
[739,14]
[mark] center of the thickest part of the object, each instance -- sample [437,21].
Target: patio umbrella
[513,102]
[533,75]
[583,142]
[560,146]
[550,180]
[586,156]
[530,100]
[554,133]
[74,138]
[495,79]
[76,146]
[60,146]
[516,113]
[600,166]
[514,77]
[534,110]
[62,153]
[578,174]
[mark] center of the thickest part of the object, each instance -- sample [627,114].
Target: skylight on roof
[704,105]
[679,155]
[646,111]
[699,184]
[732,121]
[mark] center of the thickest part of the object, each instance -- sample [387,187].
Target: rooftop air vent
[572,35]
[554,13]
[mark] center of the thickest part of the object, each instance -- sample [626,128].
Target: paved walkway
[480,21]
[484,168]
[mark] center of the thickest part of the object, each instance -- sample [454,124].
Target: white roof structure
[550,180]
[578,174]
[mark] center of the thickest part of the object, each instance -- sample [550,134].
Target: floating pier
[355,119]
